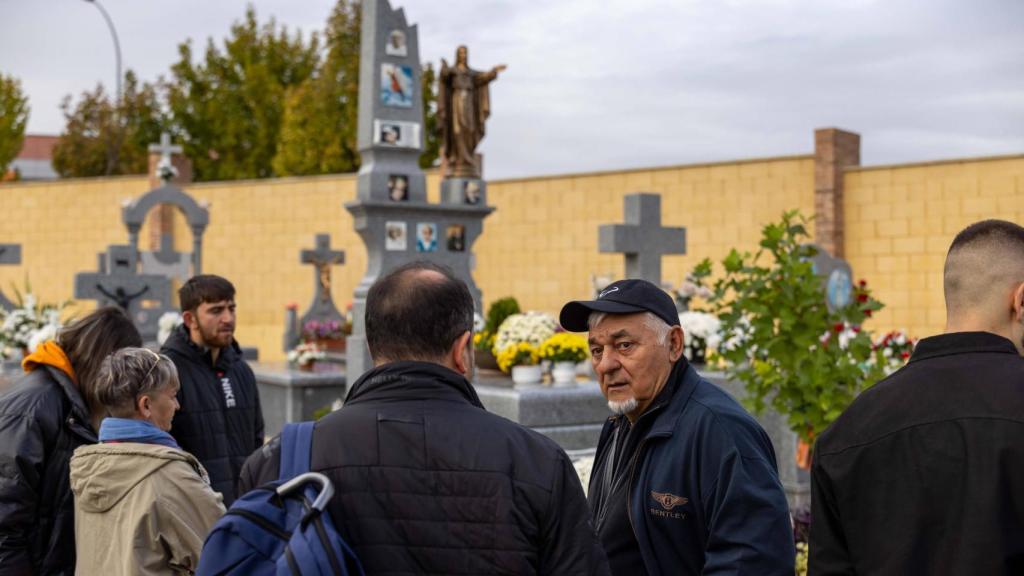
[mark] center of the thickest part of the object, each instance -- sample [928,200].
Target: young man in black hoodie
[220,421]
[426,481]
[924,472]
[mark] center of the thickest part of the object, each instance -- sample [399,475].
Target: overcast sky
[604,85]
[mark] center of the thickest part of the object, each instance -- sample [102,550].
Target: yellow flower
[517,355]
[564,347]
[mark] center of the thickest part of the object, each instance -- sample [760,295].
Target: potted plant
[782,341]
[27,325]
[305,355]
[328,334]
[483,340]
[701,334]
[564,350]
[522,360]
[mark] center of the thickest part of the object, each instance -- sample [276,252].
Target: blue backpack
[281,528]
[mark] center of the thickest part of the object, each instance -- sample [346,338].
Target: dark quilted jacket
[428,482]
[220,421]
[43,419]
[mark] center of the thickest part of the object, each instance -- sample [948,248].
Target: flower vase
[526,375]
[336,345]
[484,359]
[563,374]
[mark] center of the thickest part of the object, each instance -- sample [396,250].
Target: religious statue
[463,105]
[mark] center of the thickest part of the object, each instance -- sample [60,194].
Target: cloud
[596,86]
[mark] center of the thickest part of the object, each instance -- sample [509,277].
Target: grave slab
[290,395]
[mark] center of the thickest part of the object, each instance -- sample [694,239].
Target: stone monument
[322,309]
[144,297]
[10,254]
[391,212]
[642,239]
[836,278]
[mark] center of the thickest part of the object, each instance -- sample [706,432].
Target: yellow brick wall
[900,220]
[541,244]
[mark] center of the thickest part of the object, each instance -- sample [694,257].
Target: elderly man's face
[632,365]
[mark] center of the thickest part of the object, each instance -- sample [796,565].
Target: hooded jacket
[140,509]
[703,493]
[43,419]
[428,482]
[220,421]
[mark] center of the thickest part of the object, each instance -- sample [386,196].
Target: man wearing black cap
[684,480]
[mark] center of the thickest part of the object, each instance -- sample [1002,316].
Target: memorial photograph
[395,238]
[396,85]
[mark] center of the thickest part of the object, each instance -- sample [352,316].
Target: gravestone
[323,259]
[10,254]
[642,239]
[322,309]
[391,212]
[836,278]
[144,297]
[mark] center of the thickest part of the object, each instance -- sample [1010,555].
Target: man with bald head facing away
[426,481]
[924,472]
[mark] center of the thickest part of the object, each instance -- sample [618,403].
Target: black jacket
[220,421]
[702,490]
[43,419]
[924,472]
[427,481]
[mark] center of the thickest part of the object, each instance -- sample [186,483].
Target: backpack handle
[322,498]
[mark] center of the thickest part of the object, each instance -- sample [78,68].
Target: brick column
[834,150]
[161,219]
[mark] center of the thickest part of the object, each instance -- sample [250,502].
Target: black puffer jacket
[428,482]
[220,421]
[43,419]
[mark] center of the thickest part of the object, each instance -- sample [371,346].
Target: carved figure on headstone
[463,105]
[121,297]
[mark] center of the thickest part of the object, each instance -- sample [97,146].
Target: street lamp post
[117,44]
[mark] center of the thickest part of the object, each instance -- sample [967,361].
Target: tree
[228,109]
[13,118]
[103,138]
[318,135]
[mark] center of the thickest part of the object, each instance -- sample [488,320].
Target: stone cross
[10,254]
[322,259]
[144,297]
[642,238]
[165,168]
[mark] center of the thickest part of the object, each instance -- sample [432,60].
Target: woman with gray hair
[142,504]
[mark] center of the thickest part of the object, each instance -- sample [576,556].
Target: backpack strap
[296,449]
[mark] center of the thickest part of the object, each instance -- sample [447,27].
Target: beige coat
[140,509]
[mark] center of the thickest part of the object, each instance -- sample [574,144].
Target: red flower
[838,327]
[904,355]
[867,313]
[862,283]
[856,329]
[862,297]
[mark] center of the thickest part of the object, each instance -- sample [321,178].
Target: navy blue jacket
[704,492]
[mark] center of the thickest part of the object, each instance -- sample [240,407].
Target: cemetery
[810,249]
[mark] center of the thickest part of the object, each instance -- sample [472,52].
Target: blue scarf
[128,430]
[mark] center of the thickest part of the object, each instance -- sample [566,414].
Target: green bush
[497,313]
[779,337]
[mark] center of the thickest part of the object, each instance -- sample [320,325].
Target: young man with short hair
[924,472]
[220,421]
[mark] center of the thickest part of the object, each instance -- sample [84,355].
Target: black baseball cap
[622,297]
